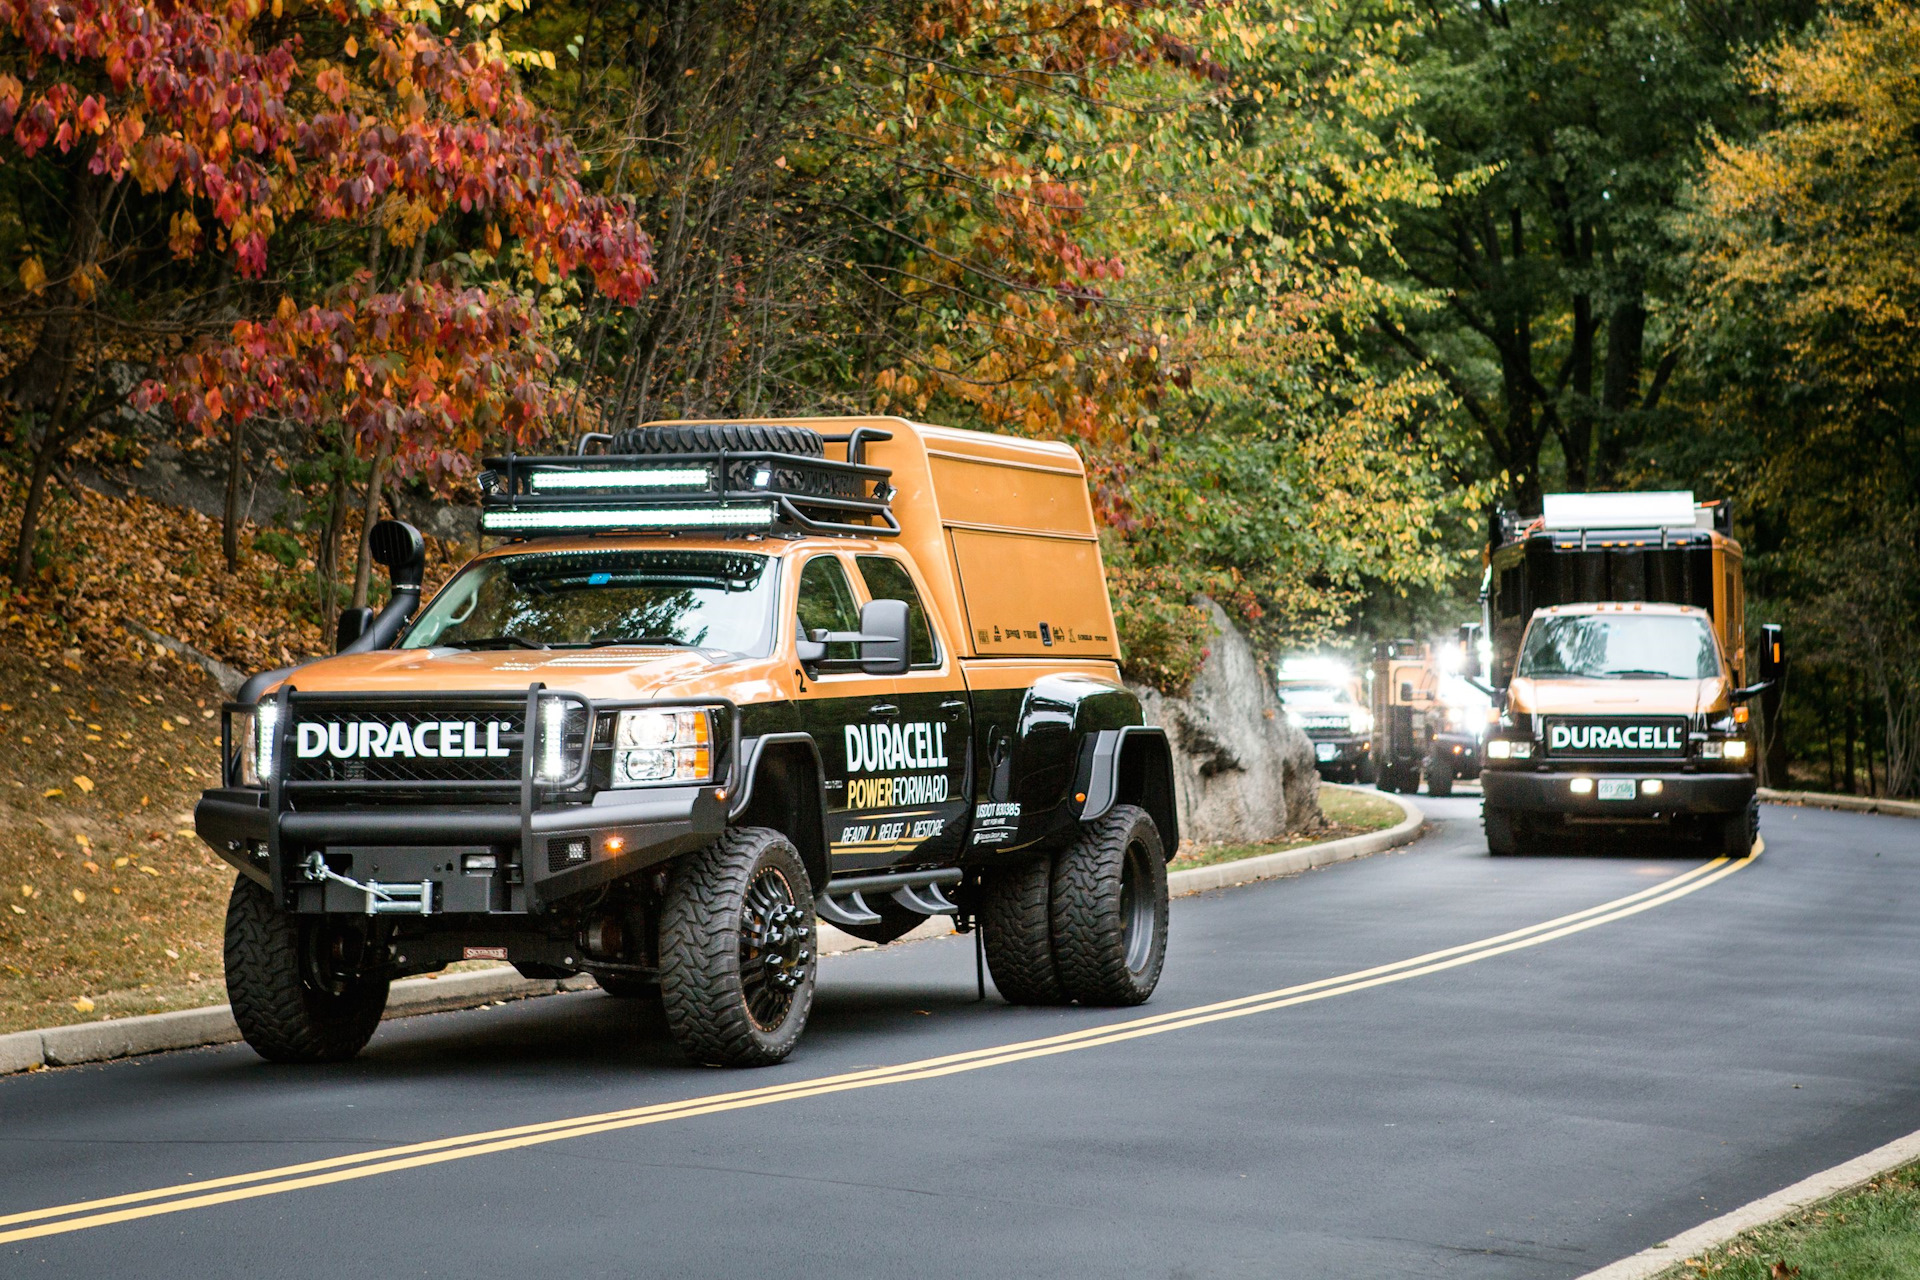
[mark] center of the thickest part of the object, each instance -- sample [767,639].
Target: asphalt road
[1532,1107]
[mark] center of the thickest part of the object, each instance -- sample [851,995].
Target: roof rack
[724,492]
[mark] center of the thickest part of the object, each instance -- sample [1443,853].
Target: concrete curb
[1290,862]
[194,1028]
[1790,1200]
[1853,804]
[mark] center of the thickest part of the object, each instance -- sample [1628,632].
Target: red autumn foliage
[188,99]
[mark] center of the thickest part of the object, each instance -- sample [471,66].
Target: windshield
[554,599]
[1619,647]
[1302,696]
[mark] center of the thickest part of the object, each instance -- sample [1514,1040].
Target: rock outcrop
[1242,772]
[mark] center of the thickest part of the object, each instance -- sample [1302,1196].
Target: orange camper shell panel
[1008,523]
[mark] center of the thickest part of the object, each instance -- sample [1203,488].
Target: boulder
[1242,772]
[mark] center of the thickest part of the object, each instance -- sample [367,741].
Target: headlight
[1736,748]
[1509,749]
[254,734]
[1362,722]
[670,745]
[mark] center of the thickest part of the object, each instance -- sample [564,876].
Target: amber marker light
[615,844]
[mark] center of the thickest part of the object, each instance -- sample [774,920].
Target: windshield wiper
[500,642]
[1640,673]
[602,642]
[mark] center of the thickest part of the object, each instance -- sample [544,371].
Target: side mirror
[810,649]
[351,625]
[883,631]
[1406,691]
[1773,654]
[1470,650]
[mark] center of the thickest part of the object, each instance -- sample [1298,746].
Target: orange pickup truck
[717,680]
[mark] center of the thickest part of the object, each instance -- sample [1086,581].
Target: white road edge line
[1789,1200]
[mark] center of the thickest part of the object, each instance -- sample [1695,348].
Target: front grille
[348,743]
[1616,737]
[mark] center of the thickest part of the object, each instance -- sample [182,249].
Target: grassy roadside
[111,905]
[1349,813]
[1870,1233]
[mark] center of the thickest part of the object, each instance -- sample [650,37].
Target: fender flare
[746,779]
[1133,765]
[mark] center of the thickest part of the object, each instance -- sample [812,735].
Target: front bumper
[1534,791]
[534,852]
[1341,751]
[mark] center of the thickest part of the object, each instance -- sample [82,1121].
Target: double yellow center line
[81,1215]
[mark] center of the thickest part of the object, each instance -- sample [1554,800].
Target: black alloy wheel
[776,947]
[737,957]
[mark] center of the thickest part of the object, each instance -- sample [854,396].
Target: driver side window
[826,603]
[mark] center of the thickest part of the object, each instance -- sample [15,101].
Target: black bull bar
[265,833]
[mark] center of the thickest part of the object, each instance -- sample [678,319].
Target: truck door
[839,710]
[934,722]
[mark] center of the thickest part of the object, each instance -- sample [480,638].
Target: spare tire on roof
[705,437]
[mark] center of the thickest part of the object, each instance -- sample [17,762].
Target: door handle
[953,707]
[884,711]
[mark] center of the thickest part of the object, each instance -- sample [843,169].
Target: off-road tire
[701,966]
[1440,778]
[1363,772]
[1110,910]
[1016,931]
[1506,837]
[704,437]
[281,1016]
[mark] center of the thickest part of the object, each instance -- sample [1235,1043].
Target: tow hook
[407,899]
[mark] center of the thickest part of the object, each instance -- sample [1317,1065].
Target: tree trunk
[1620,384]
[1849,729]
[369,513]
[53,442]
[49,366]
[326,561]
[230,514]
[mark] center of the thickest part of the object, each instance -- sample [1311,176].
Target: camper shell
[1618,637]
[902,699]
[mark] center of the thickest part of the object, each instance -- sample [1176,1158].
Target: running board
[853,911]
[841,902]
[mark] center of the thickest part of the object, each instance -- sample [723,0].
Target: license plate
[1325,750]
[1617,788]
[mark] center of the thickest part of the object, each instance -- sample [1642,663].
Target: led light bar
[625,478]
[737,517]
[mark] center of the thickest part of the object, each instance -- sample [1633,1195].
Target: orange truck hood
[1617,697]
[615,673]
